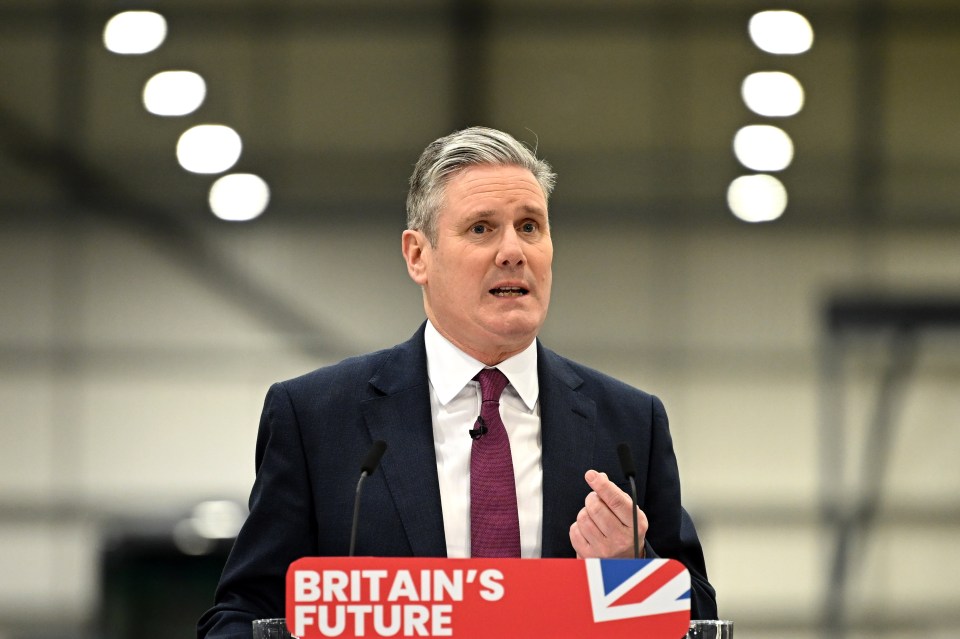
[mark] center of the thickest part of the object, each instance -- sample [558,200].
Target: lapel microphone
[480,430]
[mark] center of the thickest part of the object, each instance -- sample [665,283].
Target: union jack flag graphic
[627,588]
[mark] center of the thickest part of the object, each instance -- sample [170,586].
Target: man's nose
[510,251]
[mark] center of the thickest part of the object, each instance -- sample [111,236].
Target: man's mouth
[508,291]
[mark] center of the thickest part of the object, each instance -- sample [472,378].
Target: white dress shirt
[455,404]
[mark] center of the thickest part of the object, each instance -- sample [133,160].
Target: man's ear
[415,246]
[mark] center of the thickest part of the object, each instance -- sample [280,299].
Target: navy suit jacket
[316,429]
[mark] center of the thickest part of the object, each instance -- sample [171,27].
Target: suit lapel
[567,420]
[400,416]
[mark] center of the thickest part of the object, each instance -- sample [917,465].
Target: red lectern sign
[483,598]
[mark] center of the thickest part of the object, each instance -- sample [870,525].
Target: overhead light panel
[239,197]
[218,519]
[209,523]
[781,32]
[757,198]
[134,32]
[209,148]
[172,93]
[762,147]
[772,93]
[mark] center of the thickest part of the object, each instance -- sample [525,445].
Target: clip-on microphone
[480,430]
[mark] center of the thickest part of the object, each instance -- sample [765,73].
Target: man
[478,244]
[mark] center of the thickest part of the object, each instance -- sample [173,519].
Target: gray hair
[444,158]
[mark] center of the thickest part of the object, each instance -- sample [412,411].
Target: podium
[482,598]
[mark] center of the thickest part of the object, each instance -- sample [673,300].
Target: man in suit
[478,244]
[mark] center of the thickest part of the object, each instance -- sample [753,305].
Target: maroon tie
[494,523]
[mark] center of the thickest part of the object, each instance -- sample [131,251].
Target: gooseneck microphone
[369,465]
[480,429]
[630,471]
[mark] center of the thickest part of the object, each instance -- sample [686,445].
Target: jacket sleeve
[280,528]
[671,533]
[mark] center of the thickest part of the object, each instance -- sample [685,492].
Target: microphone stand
[356,513]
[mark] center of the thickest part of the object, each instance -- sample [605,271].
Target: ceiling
[634,103]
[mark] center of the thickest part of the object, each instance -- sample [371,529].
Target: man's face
[486,283]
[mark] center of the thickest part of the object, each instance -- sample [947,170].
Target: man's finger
[588,527]
[579,542]
[603,518]
[616,500]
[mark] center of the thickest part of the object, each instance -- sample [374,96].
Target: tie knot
[492,383]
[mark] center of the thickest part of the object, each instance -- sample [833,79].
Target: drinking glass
[710,629]
[271,629]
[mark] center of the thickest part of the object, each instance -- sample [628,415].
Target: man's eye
[528,227]
[478,229]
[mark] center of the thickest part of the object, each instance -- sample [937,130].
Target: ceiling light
[781,32]
[208,148]
[762,147]
[772,93]
[757,198]
[174,93]
[219,519]
[239,197]
[134,32]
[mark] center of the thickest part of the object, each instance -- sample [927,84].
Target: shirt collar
[450,369]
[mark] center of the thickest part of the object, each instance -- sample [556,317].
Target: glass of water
[710,629]
[271,629]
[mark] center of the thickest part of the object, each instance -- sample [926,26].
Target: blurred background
[802,325]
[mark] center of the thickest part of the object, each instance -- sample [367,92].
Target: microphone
[369,465]
[480,430]
[630,472]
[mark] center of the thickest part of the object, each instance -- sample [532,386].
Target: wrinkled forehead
[508,171]
[491,188]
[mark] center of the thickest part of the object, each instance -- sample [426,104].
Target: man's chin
[516,333]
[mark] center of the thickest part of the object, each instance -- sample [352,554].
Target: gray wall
[138,335]
[130,388]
